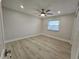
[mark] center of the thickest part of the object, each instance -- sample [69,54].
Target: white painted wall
[66,24]
[19,25]
[75,41]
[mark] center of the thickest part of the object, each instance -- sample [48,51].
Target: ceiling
[31,6]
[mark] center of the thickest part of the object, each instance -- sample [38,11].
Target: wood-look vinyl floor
[39,47]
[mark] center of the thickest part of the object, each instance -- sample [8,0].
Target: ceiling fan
[44,12]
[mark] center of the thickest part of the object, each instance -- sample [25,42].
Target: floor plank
[39,47]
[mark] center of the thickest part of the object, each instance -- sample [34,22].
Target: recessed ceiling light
[22,6]
[59,12]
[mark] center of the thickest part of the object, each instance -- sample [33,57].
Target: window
[53,25]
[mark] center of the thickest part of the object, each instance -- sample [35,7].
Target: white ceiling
[30,6]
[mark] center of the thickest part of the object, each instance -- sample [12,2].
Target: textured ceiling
[30,6]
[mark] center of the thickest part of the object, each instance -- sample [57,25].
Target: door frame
[2,30]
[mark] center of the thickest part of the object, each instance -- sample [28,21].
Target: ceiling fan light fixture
[43,15]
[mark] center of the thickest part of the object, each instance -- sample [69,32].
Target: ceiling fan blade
[47,10]
[49,13]
[38,10]
[42,9]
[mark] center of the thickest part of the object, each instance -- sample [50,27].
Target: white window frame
[58,25]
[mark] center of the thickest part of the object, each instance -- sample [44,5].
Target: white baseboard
[37,35]
[21,38]
[56,38]
[2,54]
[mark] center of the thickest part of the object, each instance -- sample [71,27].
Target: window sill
[54,30]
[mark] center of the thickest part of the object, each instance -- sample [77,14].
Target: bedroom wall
[17,24]
[66,25]
[75,41]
